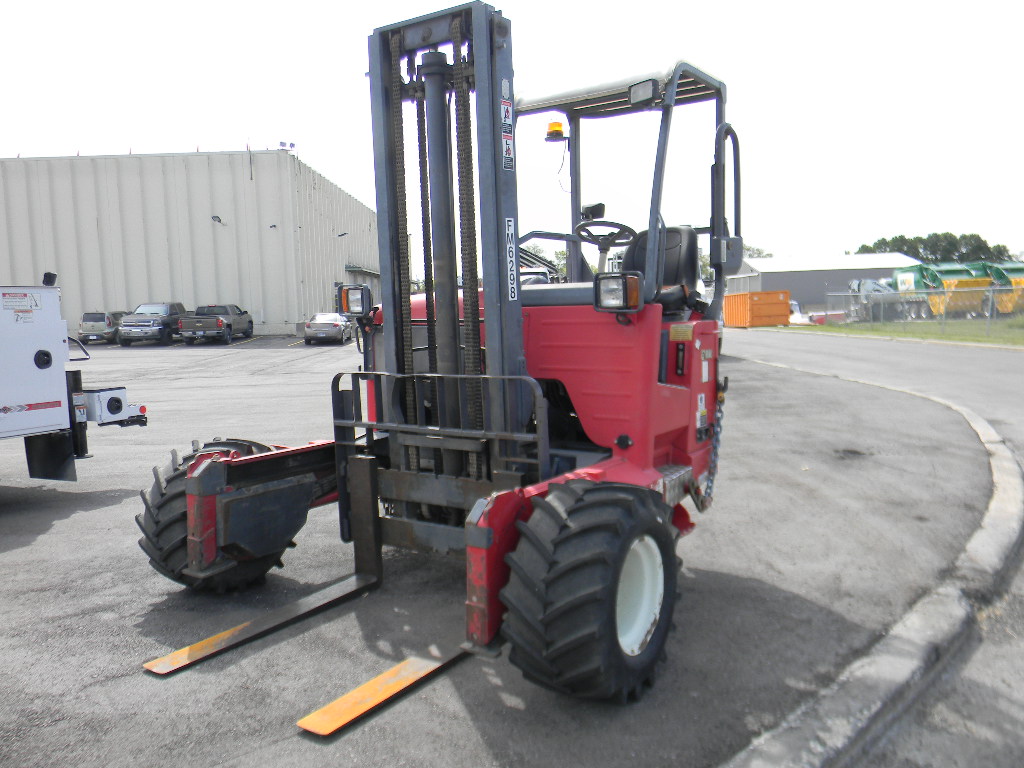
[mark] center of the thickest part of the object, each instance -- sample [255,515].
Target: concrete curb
[847,718]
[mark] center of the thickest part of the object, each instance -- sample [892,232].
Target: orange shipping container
[751,310]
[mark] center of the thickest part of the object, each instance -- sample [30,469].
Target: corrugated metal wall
[258,229]
[809,287]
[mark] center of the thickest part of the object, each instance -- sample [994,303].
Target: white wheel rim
[640,593]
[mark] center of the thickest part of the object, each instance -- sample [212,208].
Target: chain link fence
[986,307]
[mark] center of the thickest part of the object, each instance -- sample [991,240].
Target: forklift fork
[368,575]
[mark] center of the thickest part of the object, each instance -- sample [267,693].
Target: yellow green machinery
[1007,284]
[942,289]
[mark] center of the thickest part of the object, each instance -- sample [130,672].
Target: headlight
[613,294]
[355,300]
[617,292]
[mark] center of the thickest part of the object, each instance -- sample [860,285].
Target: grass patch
[1005,331]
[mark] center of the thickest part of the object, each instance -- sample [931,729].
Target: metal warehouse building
[809,280]
[259,229]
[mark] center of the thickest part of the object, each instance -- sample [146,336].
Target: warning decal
[510,256]
[506,118]
[508,148]
[24,301]
[680,332]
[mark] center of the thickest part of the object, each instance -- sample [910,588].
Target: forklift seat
[681,266]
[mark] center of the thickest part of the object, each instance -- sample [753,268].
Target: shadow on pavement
[26,513]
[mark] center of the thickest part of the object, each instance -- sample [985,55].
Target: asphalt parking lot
[831,517]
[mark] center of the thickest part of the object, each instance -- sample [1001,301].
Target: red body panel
[641,389]
[611,373]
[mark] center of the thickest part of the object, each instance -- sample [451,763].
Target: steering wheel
[618,234]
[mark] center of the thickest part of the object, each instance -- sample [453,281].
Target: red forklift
[551,431]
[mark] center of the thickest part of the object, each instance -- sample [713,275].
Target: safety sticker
[702,411]
[506,118]
[508,147]
[24,301]
[508,153]
[512,268]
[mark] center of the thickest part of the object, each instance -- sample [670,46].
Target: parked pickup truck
[155,321]
[215,321]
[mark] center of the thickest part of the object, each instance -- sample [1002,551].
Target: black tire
[308,342]
[84,342]
[124,342]
[247,333]
[226,338]
[164,526]
[190,340]
[164,338]
[574,584]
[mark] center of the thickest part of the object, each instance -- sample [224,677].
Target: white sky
[856,120]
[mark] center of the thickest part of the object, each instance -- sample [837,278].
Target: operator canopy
[634,94]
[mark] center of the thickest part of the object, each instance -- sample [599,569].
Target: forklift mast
[431,62]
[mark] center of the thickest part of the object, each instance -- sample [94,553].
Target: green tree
[561,259]
[940,246]
[752,252]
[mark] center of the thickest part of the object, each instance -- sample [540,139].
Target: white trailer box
[33,337]
[40,400]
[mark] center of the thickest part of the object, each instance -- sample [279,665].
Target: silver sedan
[328,326]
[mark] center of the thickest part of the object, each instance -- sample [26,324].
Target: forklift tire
[164,527]
[592,589]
